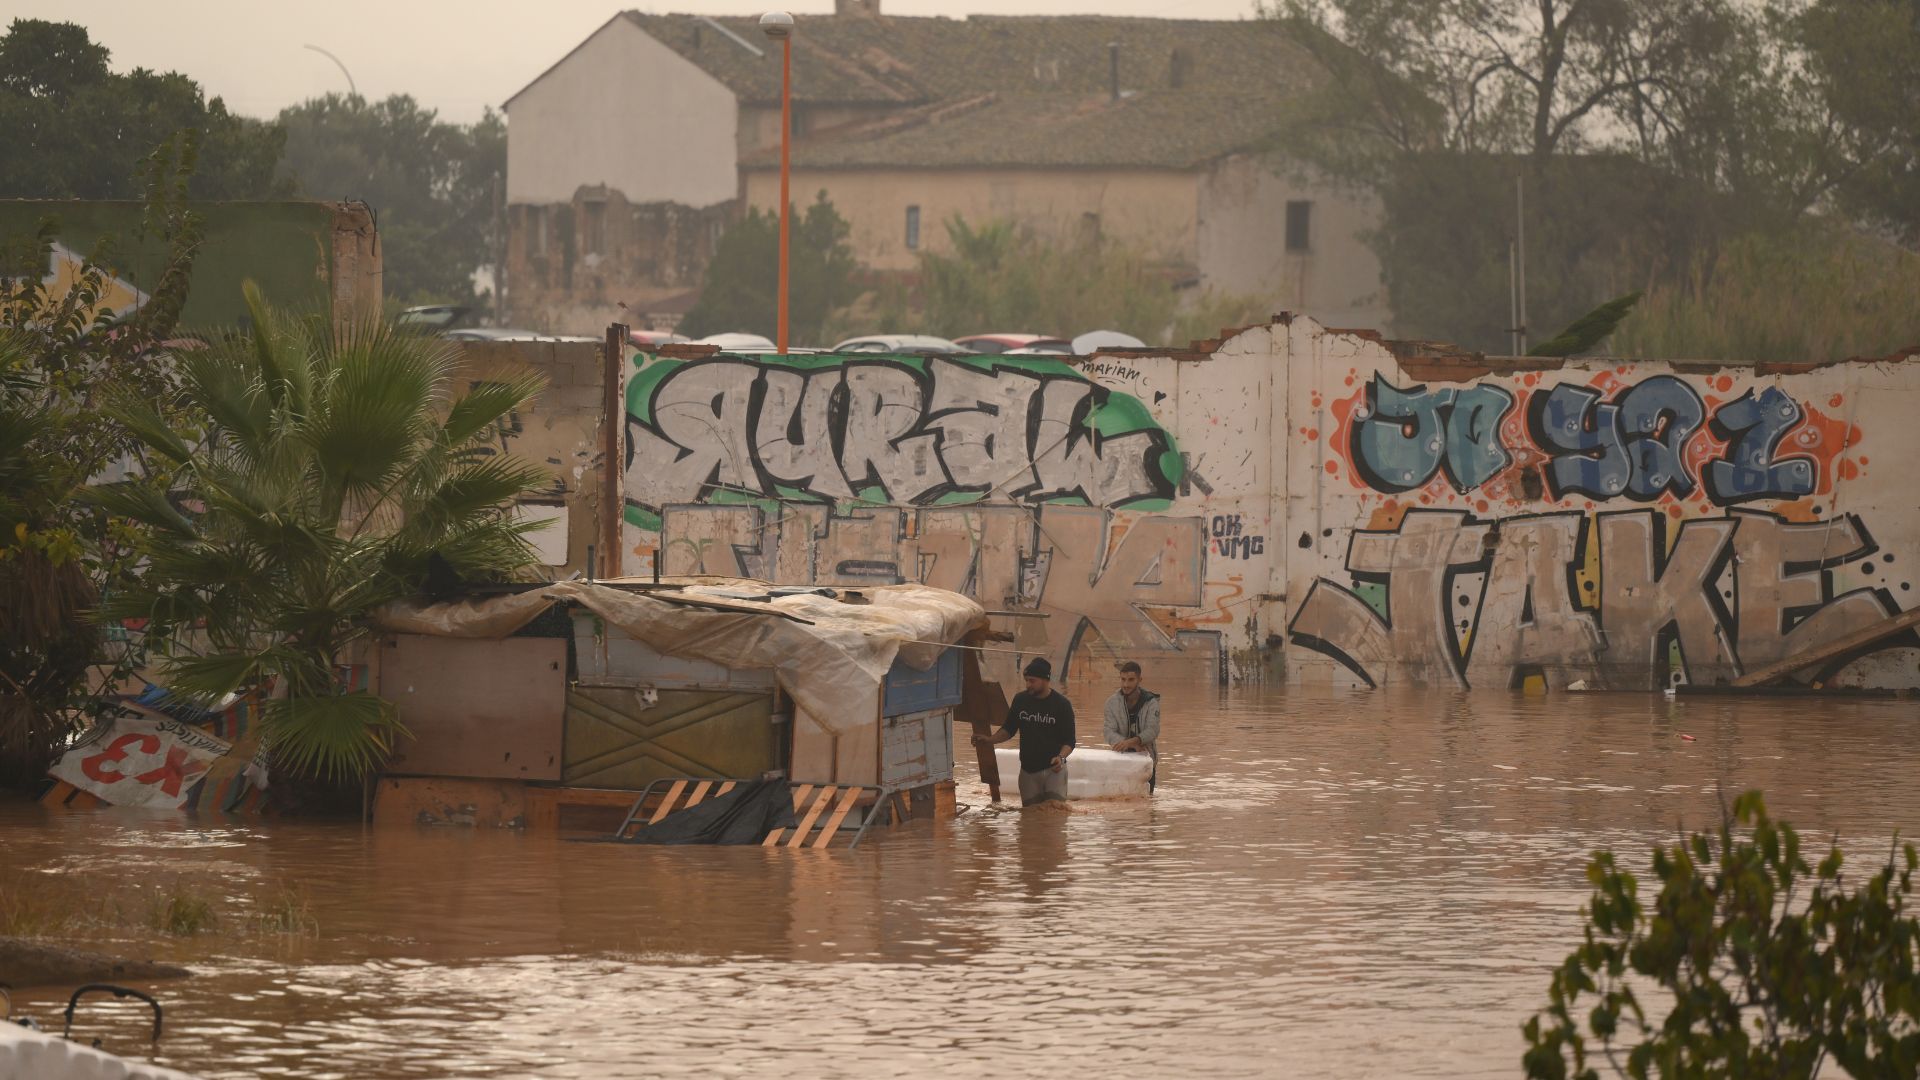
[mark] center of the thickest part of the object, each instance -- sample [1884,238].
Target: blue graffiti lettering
[1583,439]
[1475,454]
[1402,438]
[1656,419]
[1752,427]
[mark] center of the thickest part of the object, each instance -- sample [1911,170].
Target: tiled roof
[893,60]
[1013,91]
[1156,129]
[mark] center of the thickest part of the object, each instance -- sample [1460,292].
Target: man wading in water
[1132,721]
[1043,718]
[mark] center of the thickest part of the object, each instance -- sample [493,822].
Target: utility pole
[778,25]
[1513,298]
[1520,259]
[499,253]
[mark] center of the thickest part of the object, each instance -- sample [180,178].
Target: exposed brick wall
[576,267]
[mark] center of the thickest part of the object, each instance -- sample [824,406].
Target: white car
[507,333]
[901,345]
[1094,340]
[738,343]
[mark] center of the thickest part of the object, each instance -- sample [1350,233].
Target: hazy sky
[458,58]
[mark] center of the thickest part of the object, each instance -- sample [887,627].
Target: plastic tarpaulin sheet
[744,815]
[833,663]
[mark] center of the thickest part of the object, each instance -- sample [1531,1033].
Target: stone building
[628,157]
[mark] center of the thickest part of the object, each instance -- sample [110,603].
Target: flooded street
[1328,884]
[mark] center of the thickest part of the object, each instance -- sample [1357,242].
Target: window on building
[538,232]
[1299,226]
[593,238]
[913,228]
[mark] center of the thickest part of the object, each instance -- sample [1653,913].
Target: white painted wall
[1242,242]
[625,111]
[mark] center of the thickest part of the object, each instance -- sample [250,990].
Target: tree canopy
[433,184]
[1649,134]
[74,129]
[738,293]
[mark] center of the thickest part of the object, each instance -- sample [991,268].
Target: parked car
[653,339]
[489,333]
[436,316]
[901,345]
[508,333]
[1027,344]
[740,343]
[1094,340]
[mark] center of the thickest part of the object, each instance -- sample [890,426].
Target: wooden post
[613,423]
[983,705]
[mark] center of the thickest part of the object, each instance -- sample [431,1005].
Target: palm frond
[269,576]
[220,382]
[1588,330]
[214,675]
[143,503]
[474,487]
[146,424]
[283,354]
[483,406]
[489,549]
[332,736]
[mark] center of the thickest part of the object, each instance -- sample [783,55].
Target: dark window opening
[913,228]
[1299,225]
[1089,228]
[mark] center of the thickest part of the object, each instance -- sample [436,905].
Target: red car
[999,343]
[652,339]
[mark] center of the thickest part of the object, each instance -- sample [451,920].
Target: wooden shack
[555,707]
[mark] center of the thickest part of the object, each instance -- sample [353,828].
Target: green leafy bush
[1769,968]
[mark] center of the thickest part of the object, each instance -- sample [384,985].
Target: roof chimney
[1113,67]
[856,7]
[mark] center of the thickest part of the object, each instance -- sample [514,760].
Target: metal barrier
[812,802]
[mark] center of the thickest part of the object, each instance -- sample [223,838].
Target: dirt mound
[32,963]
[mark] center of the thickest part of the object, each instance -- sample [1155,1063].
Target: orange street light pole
[779,26]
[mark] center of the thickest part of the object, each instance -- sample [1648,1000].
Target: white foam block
[25,1053]
[1091,774]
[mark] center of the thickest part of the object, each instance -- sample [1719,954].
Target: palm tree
[335,469]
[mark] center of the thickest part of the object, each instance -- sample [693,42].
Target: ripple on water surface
[1327,884]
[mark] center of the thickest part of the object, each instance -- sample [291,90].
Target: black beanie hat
[1038,668]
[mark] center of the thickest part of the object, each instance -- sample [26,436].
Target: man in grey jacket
[1132,721]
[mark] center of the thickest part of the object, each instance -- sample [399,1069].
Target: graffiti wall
[1629,526]
[1061,494]
[1310,504]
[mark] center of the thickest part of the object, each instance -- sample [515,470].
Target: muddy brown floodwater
[1328,884]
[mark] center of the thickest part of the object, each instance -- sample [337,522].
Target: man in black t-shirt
[1043,718]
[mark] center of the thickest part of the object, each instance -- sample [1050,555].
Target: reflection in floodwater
[1328,884]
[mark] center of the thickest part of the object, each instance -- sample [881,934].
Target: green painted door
[615,740]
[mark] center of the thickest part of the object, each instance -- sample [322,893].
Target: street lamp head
[777,24]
